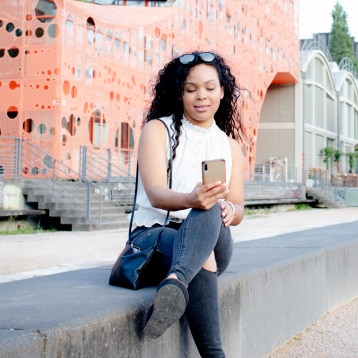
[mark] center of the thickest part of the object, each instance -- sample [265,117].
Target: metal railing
[276,173]
[317,177]
[10,149]
[22,160]
[101,166]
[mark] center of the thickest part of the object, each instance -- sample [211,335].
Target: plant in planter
[329,153]
[352,156]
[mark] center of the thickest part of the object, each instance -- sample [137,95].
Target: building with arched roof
[320,112]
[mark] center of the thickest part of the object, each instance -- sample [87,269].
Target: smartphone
[213,170]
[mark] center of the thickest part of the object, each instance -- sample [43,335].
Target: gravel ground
[335,335]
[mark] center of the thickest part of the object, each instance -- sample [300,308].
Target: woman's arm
[152,161]
[233,206]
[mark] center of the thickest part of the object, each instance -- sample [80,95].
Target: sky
[315,16]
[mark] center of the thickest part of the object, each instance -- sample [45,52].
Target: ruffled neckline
[199,129]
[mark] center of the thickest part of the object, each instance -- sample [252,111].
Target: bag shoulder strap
[169,182]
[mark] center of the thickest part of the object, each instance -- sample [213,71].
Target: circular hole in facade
[91,27]
[12,112]
[117,40]
[53,131]
[13,85]
[2,52]
[89,72]
[52,31]
[66,87]
[69,22]
[28,125]
[74,92]
[109,35]
[41,128]
[45,10]
[39,32]
[47,160]
[34,171]
[10,27]
[71,125]
[28,33]
[64,140]
[18,32]
[13,51]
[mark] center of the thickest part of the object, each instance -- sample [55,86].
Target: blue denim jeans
[185,249]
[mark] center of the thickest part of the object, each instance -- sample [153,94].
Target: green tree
[341,44]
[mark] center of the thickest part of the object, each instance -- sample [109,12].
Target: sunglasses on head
[204,56]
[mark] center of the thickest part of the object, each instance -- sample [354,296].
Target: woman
[196,96]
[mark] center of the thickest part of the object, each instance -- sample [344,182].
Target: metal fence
[276,173]
[22,160]
[102,166]
[10,153]
[98,173]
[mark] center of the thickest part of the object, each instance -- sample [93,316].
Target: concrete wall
[273,289]
[11,197]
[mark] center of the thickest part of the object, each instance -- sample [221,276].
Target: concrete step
[323,197]
[103,226]
[69,203]
[80,219]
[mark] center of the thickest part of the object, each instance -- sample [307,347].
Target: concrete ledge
[22,212]
[274,288]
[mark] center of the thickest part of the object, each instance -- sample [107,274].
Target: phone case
[213,170]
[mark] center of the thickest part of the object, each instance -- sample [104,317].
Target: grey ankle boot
[202,314]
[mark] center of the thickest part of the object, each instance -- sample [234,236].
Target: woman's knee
[210,216]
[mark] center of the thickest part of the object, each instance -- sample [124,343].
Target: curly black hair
[168,91]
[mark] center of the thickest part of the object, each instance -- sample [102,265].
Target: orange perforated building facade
[77,74]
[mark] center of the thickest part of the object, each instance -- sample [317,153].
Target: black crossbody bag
[136,268]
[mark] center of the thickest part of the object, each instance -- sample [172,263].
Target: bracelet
[232,207]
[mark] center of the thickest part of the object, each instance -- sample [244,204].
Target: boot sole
[169,305]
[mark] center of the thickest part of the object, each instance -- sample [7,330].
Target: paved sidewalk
[26,256]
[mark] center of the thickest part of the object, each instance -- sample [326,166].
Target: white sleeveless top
[195,145]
